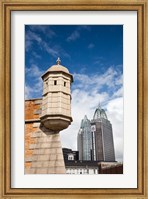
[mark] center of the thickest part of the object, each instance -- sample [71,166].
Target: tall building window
[65,84]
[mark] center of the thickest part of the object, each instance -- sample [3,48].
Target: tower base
[43,151]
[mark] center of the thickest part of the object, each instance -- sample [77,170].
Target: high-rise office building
[84,140]
[102,136]
[95,138]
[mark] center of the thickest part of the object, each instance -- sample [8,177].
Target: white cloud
[99,62]
[31,37]
[35,73]
[119,92]
[36,55]
[96,82]
[75,35]
[86,93]
[91,45]
[85,101]
[31,91]
[120,80]
[28,91]
[43,29]
[53,52]
[85,27]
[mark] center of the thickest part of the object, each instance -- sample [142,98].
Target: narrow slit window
[65,84]
[55,82]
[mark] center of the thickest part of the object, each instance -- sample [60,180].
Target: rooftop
[57,68]
[99,113]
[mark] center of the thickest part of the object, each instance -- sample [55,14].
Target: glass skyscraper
[103,136]
[84,140]
[95,138]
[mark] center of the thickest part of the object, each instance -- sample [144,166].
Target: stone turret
[56,105]
[43,150]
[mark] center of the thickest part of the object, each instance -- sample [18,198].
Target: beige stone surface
[36,124]
[44,154]
[41,170]
[30,171]
[56,97]
[37,164]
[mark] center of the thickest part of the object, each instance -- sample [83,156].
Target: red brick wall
[32,107]
[32,111]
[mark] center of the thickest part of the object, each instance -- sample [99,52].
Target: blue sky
[94,56]
[83,49]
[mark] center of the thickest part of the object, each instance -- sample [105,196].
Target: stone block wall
[43,150]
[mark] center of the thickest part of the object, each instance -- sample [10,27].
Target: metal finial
[58,61]
[99,105]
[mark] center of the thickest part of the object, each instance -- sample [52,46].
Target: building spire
[58,61]
[99,105]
